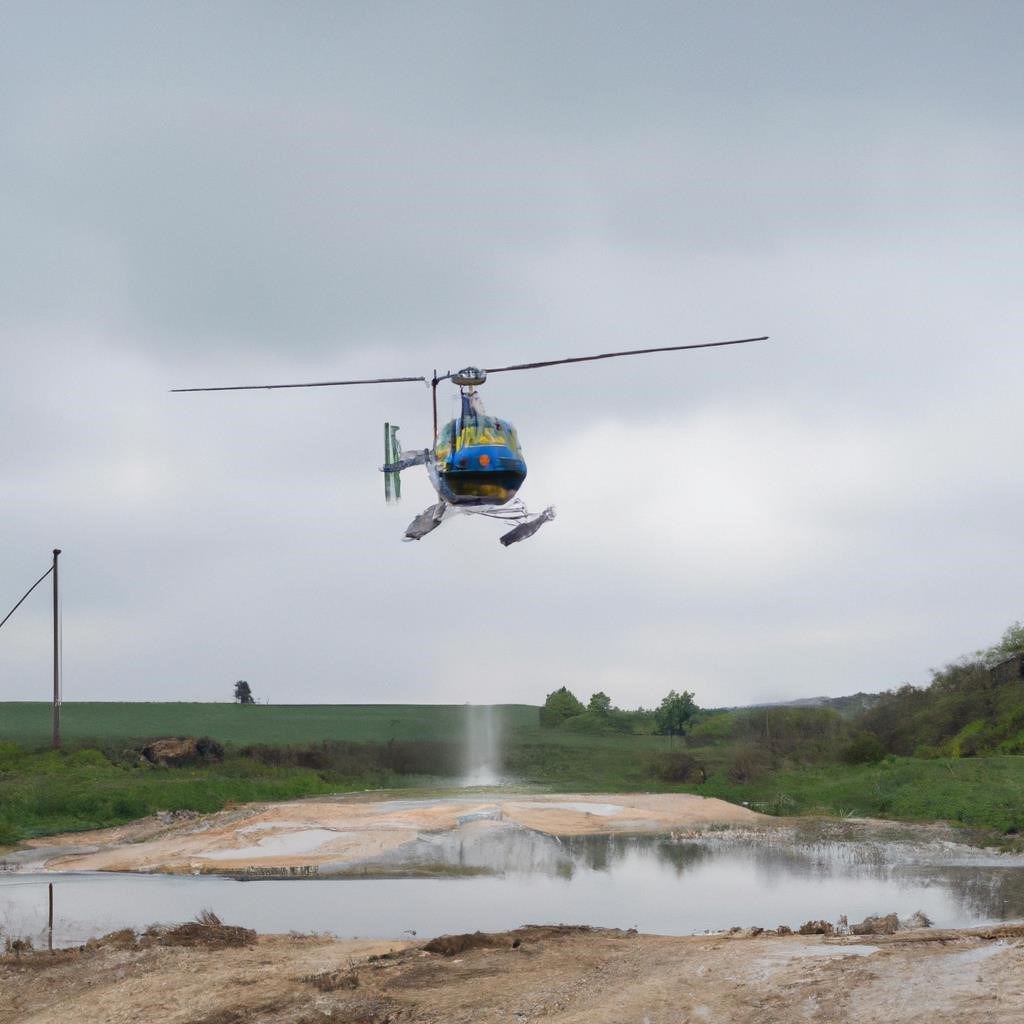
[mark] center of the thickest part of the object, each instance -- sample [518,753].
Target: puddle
[493,876]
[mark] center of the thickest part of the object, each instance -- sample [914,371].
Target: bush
[863,749]
[749,764]
[679,767]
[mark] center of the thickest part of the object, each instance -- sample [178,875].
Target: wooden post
[56,655]
[50,921]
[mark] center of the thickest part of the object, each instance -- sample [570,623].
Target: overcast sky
[247,193]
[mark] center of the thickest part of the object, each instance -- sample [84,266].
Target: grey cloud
[254,193]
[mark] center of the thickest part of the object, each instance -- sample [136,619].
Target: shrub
[679,767]
[748,764]
[865,748]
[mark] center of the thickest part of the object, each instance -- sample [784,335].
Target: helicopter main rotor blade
[615,355]
[314,384]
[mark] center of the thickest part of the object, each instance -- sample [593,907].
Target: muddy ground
[193,975]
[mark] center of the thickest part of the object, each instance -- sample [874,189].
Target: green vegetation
[109,724]
[951,750]
[675,713]
[47,792]
[982,793]
[271,753]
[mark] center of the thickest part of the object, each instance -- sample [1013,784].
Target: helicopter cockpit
[479,460]
[474,431]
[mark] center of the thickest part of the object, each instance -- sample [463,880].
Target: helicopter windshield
[476,429]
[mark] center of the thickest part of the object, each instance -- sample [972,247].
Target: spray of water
[482,760]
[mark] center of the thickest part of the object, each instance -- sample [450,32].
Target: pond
[658,884]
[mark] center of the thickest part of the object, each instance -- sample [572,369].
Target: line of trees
[563,709]
[972,707]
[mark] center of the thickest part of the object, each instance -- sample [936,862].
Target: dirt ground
[549,974]
[332,834]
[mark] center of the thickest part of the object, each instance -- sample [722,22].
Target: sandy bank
[324,836]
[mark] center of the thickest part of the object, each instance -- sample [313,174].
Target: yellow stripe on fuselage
[471,437]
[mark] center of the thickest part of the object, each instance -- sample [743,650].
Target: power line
[27,592]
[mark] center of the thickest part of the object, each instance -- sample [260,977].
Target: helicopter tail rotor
[392,455]
[395,460]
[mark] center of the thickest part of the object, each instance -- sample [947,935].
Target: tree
[1012,642]
[600,703]
[243,695]
[674,713]
[559,706]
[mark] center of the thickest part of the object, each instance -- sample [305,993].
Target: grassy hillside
[977,792]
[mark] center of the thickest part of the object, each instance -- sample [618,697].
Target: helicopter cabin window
[476,430]
[447,434]
[488,430]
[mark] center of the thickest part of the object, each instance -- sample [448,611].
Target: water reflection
[513,876]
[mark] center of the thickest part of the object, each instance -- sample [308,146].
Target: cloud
[248,195]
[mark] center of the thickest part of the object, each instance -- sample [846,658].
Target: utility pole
[56,655]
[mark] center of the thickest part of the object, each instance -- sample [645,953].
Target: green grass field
[104,724]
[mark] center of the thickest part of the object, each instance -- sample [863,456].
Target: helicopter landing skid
[527,528]
[515,512]
[429,519]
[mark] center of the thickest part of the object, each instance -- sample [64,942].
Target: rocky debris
[177,750]
[207,931]
[194,933]
[817,928]
[873,924]
[452,945]
[918,919]
[173,817]
[876,925]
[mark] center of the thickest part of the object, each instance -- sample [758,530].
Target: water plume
[482,746]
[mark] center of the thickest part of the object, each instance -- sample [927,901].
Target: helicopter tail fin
[392,455]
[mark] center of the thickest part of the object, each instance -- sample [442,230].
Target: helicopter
[476,464]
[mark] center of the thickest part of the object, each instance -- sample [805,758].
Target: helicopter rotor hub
[469,377]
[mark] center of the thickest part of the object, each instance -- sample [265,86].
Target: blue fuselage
[478,460]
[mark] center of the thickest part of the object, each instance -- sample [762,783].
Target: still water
[656,884]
